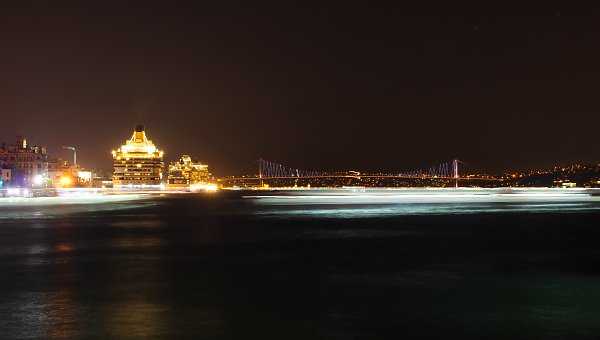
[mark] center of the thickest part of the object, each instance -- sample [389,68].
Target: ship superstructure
[138,163]
[186,174]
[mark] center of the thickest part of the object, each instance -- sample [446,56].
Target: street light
[65,181]
[38,180]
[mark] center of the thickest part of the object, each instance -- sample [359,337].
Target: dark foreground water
[218,267]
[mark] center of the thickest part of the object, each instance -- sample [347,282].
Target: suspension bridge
[264,170]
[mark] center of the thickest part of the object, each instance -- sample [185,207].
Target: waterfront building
[55,170]
[138,163]
[6,176]
[63,174]
[186,174]
[28,164]
[102,178]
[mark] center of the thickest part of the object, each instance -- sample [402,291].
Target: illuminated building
[59,169]
[6,176]
[187,175]
[138,163]
[26,162]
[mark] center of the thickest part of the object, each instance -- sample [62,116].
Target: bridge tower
[455,172]
[260,171]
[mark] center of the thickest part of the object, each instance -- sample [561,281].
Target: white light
[204,187]
[85,176]
[210,188]
[38,180]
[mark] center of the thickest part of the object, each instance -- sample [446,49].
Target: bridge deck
[363,176]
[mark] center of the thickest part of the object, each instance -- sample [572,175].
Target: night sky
[325,86]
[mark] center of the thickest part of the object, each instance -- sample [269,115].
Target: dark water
[217,267]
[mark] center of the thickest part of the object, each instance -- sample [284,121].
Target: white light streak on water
[380,203]
[370,212]
[41,208]
[71,199]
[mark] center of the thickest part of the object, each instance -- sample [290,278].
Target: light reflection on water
[137,223]
[62,313]
[203,268]
[38,249]
[27,314]
[138,243]
[61,200]
[50,311]
[372,211]
[57,207]
[352,205]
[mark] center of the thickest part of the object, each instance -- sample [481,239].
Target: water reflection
[57,207]
[128,243]
[380,203]
[136,318]
[61,307]
[63,254]
[62,312]
[132,221]
[331,210]
[189,269]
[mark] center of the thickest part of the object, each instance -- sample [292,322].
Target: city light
[65,181]
[84,176]
[204,187]
[139,165]
[38,180]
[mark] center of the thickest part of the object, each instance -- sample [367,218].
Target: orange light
[65,181]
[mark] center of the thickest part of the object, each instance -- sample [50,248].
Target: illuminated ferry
[138,163]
